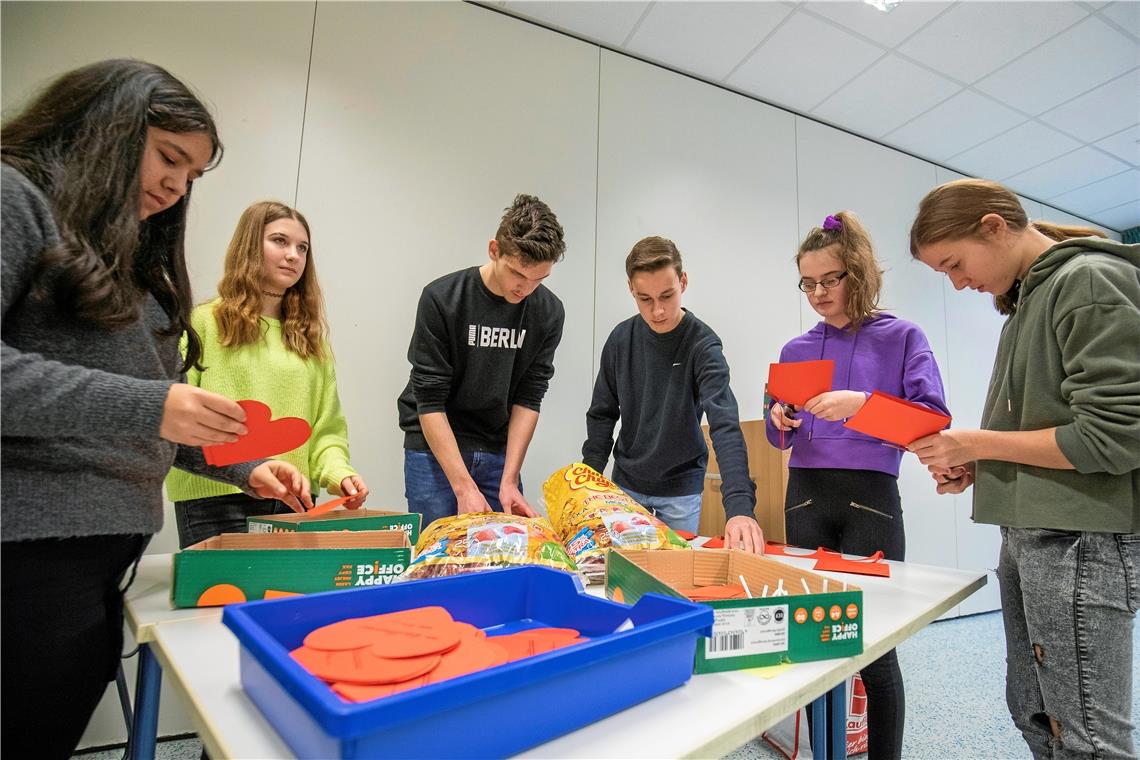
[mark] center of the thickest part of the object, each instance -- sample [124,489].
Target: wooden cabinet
[768,467]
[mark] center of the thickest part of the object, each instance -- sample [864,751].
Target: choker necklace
[275,295]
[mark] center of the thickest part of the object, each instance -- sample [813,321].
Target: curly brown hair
[238,314]
[530,230]
[853,248]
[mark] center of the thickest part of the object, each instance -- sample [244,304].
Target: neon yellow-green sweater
[291,386]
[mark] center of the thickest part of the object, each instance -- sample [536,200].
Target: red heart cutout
[265,438]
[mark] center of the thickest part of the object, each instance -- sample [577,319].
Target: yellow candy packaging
[485,540]
[591,514]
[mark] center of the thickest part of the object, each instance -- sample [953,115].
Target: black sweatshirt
[659,385]
[474,355]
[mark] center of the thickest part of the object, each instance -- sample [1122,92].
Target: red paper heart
[265,438]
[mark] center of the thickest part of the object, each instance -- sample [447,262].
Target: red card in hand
[265,438]
[896,420]
[798,382]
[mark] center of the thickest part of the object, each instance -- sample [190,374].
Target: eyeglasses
[808,286]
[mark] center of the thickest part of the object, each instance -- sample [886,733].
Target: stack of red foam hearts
[372,657]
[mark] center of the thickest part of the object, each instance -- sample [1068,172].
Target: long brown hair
[81,142]
[954,211]
[238,314]
[853,248]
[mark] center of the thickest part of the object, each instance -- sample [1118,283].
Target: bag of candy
[591,514]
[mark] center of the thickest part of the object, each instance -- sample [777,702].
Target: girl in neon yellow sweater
[265,338]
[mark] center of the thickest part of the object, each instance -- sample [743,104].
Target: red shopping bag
[790,738]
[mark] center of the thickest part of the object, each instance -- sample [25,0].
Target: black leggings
[856,512]
[62,636]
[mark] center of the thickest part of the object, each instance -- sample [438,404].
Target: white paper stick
[780,591]
[745,584]
[825,585]
[764,593]
[807,589]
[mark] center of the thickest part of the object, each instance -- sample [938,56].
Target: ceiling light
[886,6]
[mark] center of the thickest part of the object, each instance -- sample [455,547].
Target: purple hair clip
[832,224]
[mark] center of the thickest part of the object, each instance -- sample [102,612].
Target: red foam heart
[266,437]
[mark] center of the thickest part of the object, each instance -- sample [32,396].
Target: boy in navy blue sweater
[660,372]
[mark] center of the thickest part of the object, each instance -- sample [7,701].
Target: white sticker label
[741,631]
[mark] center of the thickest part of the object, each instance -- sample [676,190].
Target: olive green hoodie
[1069,358]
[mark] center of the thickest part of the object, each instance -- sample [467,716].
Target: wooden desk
[715,713]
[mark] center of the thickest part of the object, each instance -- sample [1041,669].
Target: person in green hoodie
[1057,461]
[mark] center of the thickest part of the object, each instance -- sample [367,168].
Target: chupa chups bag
[592,514]
[483,541]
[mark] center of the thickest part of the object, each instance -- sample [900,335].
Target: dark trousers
[856,512]
[199,519]
[62,637]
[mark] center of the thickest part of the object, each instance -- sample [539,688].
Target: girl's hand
[781,420]
[195,417]
[282,481]
[956,481]
[355,487]
[836,405]
[944,450]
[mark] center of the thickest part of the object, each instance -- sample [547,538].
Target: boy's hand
[743,532]
[354,487]
[781,420]
[513,501]
[471,500]
[282,481]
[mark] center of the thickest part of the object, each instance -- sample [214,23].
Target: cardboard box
[339,519]
[236,567]
[748,633]
[768,467]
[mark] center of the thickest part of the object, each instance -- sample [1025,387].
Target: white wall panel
[424,121]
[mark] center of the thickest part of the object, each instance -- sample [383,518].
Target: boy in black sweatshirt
[660,371]
[482,356]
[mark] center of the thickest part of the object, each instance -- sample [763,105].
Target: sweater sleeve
[719,404]
[778,439]
[536,379]
[193,460]
[430,357]
[603,414]
[329,454]
[1100,354]
[922,381]
[43,397]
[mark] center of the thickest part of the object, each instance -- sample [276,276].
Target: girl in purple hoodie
[843,489]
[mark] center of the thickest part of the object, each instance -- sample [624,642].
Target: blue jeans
[1069,601]
[428,492]
[678,512]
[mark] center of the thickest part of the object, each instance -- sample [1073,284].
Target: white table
[707,717]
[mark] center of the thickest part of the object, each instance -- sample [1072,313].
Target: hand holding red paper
[282,481]
[836,405]
[944,450]
[195,417]
[797,382]
[897,420]
[744,533]
[355,490]
[264,437]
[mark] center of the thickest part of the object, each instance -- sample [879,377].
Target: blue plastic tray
[491,713]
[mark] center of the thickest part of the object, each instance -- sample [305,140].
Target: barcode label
[742,631]
[726,641]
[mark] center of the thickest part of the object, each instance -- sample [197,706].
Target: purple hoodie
[885,354]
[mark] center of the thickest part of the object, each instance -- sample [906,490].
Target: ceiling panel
[888,29]
[1011,152]
[1122,217]
[972,39]
[1100,195]
[1116,105]
[1127,14]
[1063,68]
[955,125]
[788,72]
[1124,144]
[867,107]
[604,22]
[706,39]
[1077,169]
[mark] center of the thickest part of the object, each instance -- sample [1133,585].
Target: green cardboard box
[805,625]
[237,567]
[339,519]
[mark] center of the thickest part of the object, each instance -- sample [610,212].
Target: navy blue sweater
[659,385]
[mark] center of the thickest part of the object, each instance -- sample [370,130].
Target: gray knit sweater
[82,404]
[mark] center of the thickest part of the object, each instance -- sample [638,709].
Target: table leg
[837,720]
[819,728]
[144,728]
